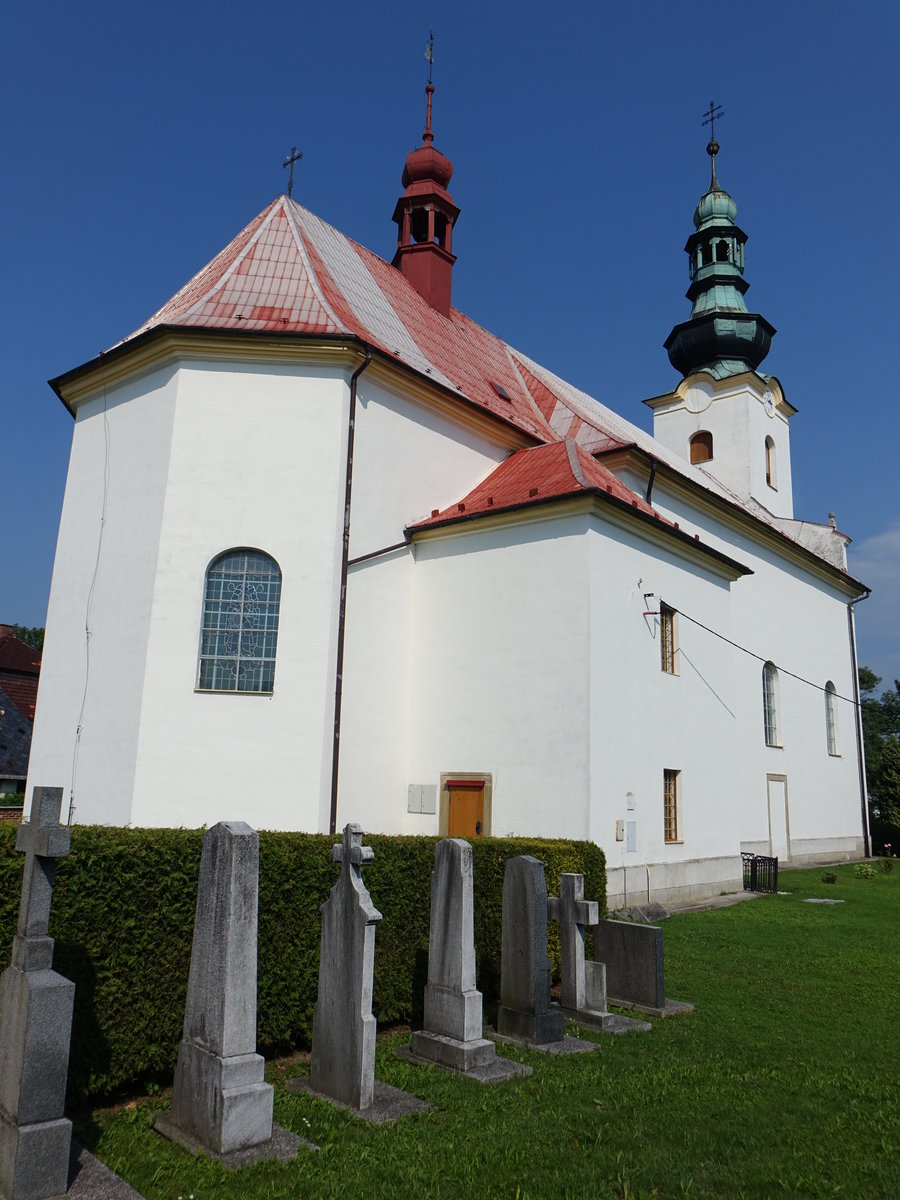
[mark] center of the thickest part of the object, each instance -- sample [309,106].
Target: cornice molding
[642,462]
[591,503]
[169,346]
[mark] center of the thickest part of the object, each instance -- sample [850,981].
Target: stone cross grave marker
[220,1100]
[343,1048]
[452,1036]
[583,983]
[524,1013]
[35,1022]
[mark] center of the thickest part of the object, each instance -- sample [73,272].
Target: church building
[345,555]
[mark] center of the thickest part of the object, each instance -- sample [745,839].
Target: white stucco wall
[257,461]
[738,421]
[646,720]
[500,671]
[120,446]
[786,614]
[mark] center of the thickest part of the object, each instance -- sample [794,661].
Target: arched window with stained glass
[239,632]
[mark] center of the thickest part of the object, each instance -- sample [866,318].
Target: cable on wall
[89,606]
[759,657]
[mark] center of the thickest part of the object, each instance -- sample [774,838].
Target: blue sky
[140,140]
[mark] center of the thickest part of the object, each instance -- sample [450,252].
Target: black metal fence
[760,873]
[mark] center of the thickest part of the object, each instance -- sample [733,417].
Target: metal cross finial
[715,113]
[289,162]
[429,52]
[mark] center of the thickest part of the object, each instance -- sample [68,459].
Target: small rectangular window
[671,814]
[667,638]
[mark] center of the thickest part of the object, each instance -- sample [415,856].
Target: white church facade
[343,555]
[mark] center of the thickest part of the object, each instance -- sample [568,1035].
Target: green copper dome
[720,336]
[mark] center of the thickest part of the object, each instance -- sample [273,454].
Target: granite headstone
[524,1013]
[220,1098]
[452,1035]
[35,1023]
[343,1046]
[635,976]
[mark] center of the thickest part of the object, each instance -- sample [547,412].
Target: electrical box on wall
[631,837]
[422,798]
[620,831]
[629,801]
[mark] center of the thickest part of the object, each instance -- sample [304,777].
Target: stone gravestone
[220,1101]
[452,1036]
[342,1066]
[35,1023]
[524,1013]
[343,1048]
[583,981]
[633,955]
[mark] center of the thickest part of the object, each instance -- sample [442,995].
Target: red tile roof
[20,666]
[533,476]
[290,272]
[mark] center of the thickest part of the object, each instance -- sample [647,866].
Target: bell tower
[425,216]
[724,416]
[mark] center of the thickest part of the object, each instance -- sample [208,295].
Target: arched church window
[701,446]
[770,704]
[771,475]
[722,254]
[831,727]
[705,254]
[239,630]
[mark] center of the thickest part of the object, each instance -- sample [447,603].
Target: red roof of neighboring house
[531,476]
[20,667]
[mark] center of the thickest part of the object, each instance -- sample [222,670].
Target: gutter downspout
[650,480]
[860,752]
[342,611]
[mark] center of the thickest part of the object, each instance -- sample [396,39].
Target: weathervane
[289,162]
[429,52]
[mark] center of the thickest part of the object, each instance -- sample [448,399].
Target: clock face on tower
[769,404]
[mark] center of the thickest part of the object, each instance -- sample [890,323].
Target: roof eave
[61,383]
[596,495]
[776,536]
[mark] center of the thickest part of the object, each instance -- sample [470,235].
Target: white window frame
[832,739]
[771,715]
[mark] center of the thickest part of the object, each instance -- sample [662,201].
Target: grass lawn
[784,1082]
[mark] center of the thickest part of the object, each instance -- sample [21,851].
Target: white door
[779,836]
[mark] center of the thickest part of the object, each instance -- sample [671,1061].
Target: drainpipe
[650,480]
[860,752]
[342,612]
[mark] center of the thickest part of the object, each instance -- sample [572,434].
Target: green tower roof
[720,336]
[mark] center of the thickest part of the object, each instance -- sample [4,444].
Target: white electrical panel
[631,837]
[422,798]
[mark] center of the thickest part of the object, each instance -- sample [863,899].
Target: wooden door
[466,809]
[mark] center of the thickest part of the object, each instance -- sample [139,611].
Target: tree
[32,636]
[881,735]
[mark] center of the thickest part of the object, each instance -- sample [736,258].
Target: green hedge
[123,914]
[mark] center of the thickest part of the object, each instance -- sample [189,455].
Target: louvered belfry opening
[425,216]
